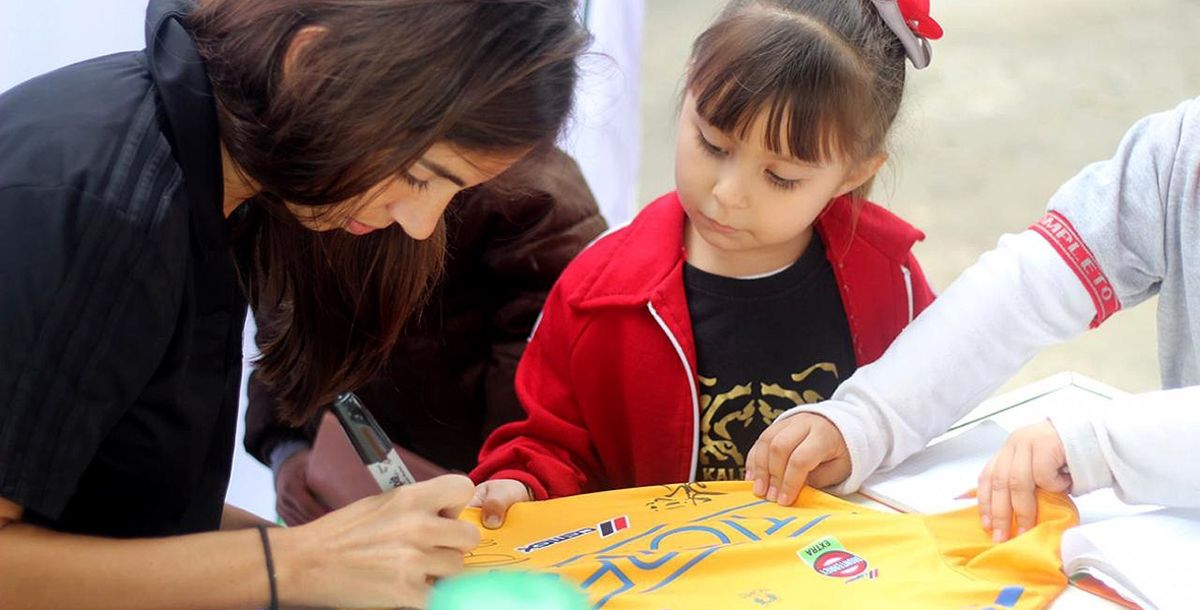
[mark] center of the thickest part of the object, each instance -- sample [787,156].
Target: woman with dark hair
[449,382]
[293,154]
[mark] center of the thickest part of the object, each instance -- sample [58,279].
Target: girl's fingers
[803,460]
[1022,488]
[983,493]
[780,451]
[750,457]
[757,464]
[493,509]
[498,497]
[1000,500]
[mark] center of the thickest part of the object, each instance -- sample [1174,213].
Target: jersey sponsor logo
[839,564]
[1070,246]
[662,555]
[553,540]
[613,526]
[829,558]
[605,529]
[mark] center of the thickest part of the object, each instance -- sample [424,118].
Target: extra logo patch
[553,540]
[613,526]
[829,558]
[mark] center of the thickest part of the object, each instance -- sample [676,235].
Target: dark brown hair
[364,100]
[829,75]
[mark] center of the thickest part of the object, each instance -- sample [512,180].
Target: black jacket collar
[190,109]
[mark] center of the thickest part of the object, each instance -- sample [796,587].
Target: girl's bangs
[788,71]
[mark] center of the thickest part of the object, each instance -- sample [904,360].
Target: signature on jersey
[486,555]
[682,495]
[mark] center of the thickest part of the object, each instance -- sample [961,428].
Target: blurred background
[1021,95]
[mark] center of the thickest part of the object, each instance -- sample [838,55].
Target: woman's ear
[862,172]
[304,37]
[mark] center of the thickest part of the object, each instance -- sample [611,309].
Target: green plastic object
[507,590]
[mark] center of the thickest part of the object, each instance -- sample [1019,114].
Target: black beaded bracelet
[266,543]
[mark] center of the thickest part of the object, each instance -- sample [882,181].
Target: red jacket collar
[640,259]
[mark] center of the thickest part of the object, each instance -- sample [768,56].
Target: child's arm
[551,450]
[1142,446]
[1016,300]
[1036,289]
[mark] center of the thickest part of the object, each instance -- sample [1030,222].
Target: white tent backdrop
[604,134]
[37,37]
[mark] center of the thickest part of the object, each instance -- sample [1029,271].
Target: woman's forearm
[234,518]
[40,568]
[381,551]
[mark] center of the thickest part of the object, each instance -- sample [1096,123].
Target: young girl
[764,281]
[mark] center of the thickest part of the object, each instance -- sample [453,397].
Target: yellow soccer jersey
[717,546]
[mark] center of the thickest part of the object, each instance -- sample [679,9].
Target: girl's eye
[781,183]
[412,181]
[709,147]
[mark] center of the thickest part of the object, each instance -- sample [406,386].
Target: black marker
[372,445]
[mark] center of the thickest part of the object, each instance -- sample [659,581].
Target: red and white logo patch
[613,526]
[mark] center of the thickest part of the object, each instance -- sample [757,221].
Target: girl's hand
[495,497]
[804,448]
[1033,457]
[382,551]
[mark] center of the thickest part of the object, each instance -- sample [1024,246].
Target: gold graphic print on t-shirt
[738,409]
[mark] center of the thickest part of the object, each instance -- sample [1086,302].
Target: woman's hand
[495,498]
[804,448]
[1033,457]
[294,501]
[382,551]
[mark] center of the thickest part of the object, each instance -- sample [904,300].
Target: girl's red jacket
[608,379]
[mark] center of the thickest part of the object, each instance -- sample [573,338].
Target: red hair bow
[916,16]
[910,21]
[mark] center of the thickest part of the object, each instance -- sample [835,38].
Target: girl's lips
[357,228]
[718,227]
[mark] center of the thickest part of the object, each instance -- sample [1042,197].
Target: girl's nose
[728,192]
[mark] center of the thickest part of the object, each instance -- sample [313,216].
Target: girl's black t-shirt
[763,345]
[120,308]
